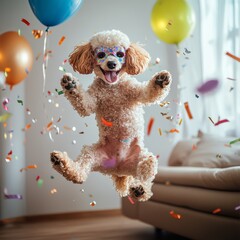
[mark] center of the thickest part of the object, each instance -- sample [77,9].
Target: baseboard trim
[61,216]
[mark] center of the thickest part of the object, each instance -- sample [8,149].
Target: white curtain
[203,57]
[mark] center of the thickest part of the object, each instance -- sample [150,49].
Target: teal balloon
[53,12]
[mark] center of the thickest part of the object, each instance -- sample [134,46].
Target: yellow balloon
[172,20]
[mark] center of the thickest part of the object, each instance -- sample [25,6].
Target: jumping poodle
[117,99]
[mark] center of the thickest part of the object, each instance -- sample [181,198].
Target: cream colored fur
[120,150]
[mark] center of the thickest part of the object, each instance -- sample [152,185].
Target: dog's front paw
[163,79]
[68,82]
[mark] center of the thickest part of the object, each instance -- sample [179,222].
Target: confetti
[219,156]
[27,127]
[194,147]
[180,122]
[196,96]
[130,200]
[54,190]
[4,104]
[20,101]
[157,61]
[233,79]
[74,141]
[61,69]
[61,40]
[208,86]
[40,183]
[164,104]
[49,125]
[234,141]
[211,120]
[9,156]
[59,119]
[232,56]
[93,203]
[187,51]
[67,128]
[28,167]
[160,131]
[81,132]
[217,210]
[106,123]
[59,92]
[150,124]
[4,117]
[173,130]
[52,177]
[37,178]
[37,33]
[186,105]
[28,111]
[221,121]
[237,208]
[175,215]
[11,196]
[25,21]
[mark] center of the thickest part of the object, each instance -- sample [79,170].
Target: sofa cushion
[200,199]
[213,152]
[212,178]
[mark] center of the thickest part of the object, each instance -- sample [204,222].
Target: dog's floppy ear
[137,59]
[82,59]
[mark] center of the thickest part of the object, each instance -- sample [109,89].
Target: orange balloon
[16,57]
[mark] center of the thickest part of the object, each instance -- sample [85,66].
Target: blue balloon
[53,12]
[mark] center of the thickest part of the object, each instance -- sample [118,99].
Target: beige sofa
[195,202]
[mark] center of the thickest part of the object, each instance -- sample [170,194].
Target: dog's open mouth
[110,76]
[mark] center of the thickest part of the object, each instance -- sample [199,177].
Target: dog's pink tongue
[111,76]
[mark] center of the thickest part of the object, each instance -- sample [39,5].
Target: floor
[114,227]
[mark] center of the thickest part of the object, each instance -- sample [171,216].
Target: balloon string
[45,59]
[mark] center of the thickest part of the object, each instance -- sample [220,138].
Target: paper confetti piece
[130,200]
[217,210]
[160,131]
[49,125]
[180,122]
[93,203]
[27,127]
[150,124]
[4,117]
[37,178]
[196,96]
[233,56]
[28,167]
[11,196]
[59,119]
[237,208]
[67,128]
[59,92]
[186,105]
[194,147]
[61,40]
[221,121]
[54,190]
[234,141]
[233,79]
[25,21]
[106,123]
[211,120]
[40,183]
[20,101]
[4,104]
[173,130]
[37,33]
[61,69]
[9,156]
[208,86]
[175,215]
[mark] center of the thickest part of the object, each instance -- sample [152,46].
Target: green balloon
[172,20]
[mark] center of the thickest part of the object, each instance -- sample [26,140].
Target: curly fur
[120,150]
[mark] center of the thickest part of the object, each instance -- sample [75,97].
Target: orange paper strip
[106,123]
[233,56]
[186,105]
[150,124]
[61,40]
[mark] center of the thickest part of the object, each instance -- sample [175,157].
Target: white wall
[131,17]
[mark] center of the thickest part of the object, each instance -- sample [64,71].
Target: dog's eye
[120,54]
[101,55]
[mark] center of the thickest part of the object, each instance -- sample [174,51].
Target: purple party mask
[101,53]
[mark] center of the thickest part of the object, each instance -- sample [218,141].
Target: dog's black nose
[111,65]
